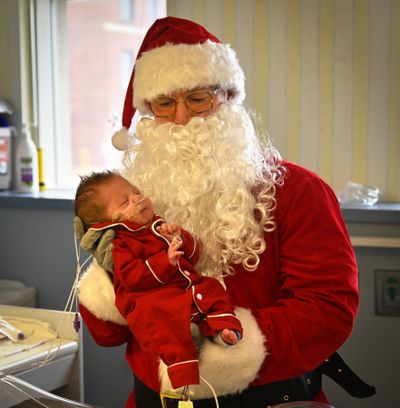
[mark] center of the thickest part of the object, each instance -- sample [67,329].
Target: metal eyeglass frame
[212,91]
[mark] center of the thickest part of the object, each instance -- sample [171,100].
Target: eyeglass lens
[196,102]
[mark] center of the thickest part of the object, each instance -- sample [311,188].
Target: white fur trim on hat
[228,369]
[170,68]
[96,293]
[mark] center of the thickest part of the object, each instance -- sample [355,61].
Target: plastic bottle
[5,158]
[26,161]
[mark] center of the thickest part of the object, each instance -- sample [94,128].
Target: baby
[157,289]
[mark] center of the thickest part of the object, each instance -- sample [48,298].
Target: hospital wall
[324,76]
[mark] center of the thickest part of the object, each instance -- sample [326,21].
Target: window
[127,61]
[127,12]
[85,51]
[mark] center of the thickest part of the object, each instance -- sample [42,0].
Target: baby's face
[124,202]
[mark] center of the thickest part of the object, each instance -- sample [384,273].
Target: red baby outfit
[159,300]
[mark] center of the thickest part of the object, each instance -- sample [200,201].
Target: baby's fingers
[173,246]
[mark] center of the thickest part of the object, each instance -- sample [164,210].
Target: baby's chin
[117,217]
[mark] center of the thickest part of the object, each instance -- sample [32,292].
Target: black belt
[303,388]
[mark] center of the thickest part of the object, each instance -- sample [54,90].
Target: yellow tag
[168,395]
[185,404]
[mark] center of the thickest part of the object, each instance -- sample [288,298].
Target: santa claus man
[272,231]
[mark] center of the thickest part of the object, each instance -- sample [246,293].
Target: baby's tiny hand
[173,253]
[177,240]
[169,230]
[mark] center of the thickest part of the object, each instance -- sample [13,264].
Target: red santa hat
[178,54]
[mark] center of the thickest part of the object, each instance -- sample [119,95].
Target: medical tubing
[4,379]
[212,390]
[72,298]
[15,381]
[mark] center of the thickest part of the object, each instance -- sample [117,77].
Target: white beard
[201,176]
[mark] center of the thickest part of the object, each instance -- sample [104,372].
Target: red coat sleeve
[316,277]
[105,333]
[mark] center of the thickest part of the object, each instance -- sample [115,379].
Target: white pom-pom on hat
[121,139]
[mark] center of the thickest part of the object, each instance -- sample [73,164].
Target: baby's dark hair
[87,206]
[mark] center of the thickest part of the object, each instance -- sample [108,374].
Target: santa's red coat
[296,309]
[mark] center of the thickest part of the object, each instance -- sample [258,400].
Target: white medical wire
[212,390]
[72,299]
[17,383]
[4,379]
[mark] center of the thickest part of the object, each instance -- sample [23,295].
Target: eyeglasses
[196,102]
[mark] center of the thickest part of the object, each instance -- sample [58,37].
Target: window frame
[48,28]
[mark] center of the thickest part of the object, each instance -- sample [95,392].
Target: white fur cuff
[96,293]
[228,369]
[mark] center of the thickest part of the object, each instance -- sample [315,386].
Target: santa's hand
[97,243]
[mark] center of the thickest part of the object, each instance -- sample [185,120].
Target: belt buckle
[168,395]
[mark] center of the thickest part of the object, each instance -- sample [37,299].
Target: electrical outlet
[387,292]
